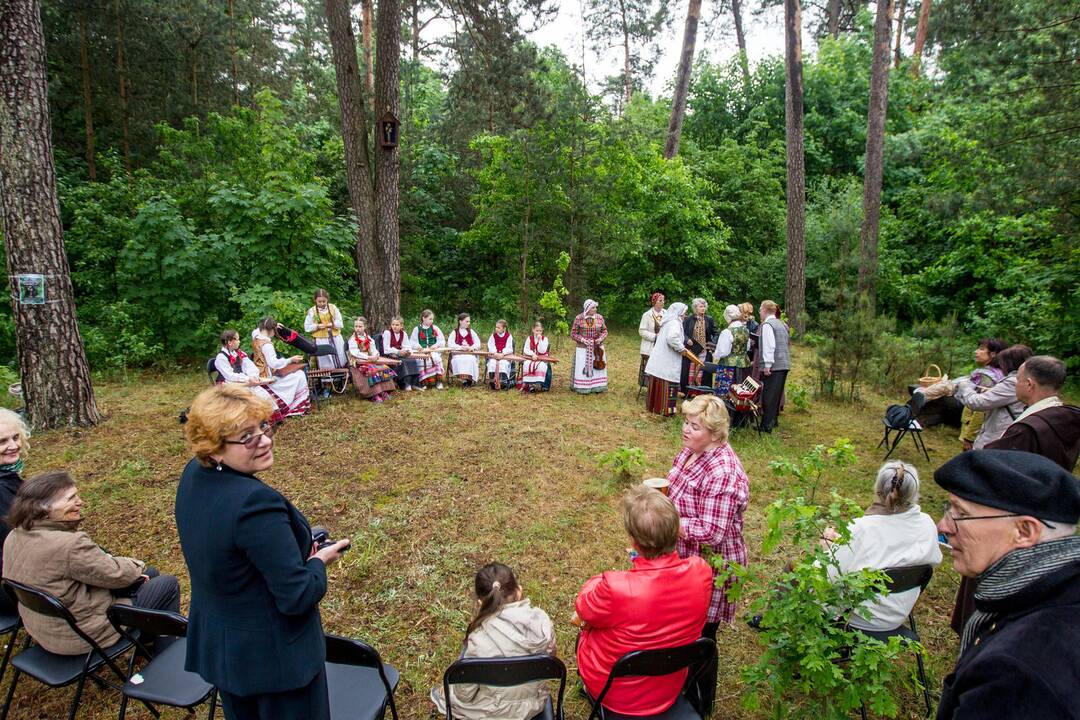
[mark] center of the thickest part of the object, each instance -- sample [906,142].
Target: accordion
[744,395]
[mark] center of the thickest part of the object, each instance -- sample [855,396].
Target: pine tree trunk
[414,37]
[88,96]
[832,14]
[121,74]
[628,83]
[386,303]
[682,80]
[920,37]
[795,295]
[740,37]
[234,69]
[52,362]
[875,150]
[369,61]
[899,32]
[355,137]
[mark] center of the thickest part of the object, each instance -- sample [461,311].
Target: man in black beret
[1011,522]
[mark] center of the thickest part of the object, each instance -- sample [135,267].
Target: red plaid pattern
[711,492]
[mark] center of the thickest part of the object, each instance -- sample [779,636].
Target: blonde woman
[710,490]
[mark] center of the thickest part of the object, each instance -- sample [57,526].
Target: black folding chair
[507,672]
[211,371]
[361,684]
[652,663]
[903,424]
[9,625]
[164,681]
[902,579]
[62,670]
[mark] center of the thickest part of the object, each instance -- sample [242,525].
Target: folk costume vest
[740,335]
[325,317]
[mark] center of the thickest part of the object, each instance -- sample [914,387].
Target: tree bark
[414,30]
[88,96]
[386,302]
[682,80]
[795,295]
[121,74]
[628,84]
[354,134]
[740,37]
[234,69]
[875,150]
[920,37]
[369,61]
[899,32]
[52,362]
[832,13]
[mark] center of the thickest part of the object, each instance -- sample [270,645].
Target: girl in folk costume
[505,625]
[428,337]
[323,321]
[466,367]
[665,362]
[534,376]
[648,329]
[396,344]
[283,378]
[372,380]
[501,343]
[732,362]
[590,361]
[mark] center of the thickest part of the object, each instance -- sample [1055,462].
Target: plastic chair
[507,672]
[902,579]
[9,625]
[653,663]
[164,679]
[361,685]
[61,670]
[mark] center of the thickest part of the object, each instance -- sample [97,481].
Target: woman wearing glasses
[256,577]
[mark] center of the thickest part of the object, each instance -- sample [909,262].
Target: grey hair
[698,301]
[897,486]
[1054,530]
[15,420]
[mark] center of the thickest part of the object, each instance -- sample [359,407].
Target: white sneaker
[408,388]
[439,386]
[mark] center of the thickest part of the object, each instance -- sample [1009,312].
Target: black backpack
[898,416]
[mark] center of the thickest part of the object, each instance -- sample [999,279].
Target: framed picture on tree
[31,289]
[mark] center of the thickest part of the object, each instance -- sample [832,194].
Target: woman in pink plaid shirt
[710,490]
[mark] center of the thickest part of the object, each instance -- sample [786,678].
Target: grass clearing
[432,485]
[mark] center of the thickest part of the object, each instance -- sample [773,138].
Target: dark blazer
[1026,665]
[1053,433]
[254,625]
[9,485]
[710,334]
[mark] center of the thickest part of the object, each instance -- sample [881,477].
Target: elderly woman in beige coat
[505,625]
[46,550]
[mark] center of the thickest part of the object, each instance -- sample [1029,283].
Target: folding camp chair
[652,663]
[361,685]
[507,672]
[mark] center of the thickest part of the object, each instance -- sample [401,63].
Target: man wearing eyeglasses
[1011,522]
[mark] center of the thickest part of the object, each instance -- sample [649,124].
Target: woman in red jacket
[659,603]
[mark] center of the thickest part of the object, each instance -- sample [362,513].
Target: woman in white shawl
[665,363]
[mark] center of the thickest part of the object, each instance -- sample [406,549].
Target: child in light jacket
[505,625]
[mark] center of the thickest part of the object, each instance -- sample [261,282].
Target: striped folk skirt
[662,396]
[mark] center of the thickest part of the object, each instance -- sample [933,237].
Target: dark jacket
[1053,433]
[1026,665]
[9,485]
[254,626]
[710,334]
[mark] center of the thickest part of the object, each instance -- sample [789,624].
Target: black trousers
[772,391]
[311,702]
[160,592]
[701,690]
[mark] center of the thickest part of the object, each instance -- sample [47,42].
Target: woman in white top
[648,329]
[894,532]
[466,367]
[665,363]
[323,321]
[500,343]
[534,372]
[283,378]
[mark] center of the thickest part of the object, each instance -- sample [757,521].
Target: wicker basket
[927,379]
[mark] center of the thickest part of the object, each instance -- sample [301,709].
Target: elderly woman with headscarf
[700,331]
[590,361]
[648,329]
[665,362]
[732,362]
